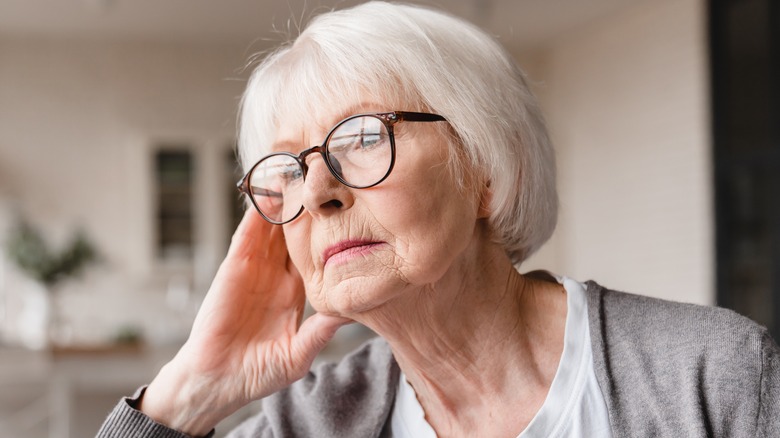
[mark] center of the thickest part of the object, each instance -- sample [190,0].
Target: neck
[481,315]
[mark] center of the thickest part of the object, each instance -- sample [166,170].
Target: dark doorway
[745,56]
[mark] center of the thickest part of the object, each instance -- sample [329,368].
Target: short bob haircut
[416,59]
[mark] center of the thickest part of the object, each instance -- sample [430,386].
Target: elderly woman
[431,177]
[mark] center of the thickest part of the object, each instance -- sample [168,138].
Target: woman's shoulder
[662,322]
[689,370]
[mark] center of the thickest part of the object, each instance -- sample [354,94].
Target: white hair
[419,59]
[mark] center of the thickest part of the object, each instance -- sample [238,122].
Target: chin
[353,296]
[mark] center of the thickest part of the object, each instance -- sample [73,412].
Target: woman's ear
[485,199]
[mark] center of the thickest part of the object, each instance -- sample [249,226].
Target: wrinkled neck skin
[480,346]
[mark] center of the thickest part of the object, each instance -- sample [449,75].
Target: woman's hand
[246,342]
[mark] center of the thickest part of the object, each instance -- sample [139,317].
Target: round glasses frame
[389,119]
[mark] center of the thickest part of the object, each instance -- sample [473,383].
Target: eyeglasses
[359,151]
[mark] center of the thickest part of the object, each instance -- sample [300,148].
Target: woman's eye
[289,175]
[369,140]
[352,143]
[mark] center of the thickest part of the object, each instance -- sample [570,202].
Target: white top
[574,406]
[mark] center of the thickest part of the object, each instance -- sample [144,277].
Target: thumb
[314,334]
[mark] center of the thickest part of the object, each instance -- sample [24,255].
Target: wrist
[184,401]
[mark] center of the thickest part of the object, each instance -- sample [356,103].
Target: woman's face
[357,249]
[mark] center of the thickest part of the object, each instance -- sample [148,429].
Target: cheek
[298,238]
[298,235]
[439,240]
[431,226]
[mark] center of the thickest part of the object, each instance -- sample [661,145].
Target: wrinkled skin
[248,341]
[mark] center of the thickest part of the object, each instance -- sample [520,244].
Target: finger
[251,235]
[246,218]
[314,334]
[292,269]
[230,277]
[262,239]
[277,246]
[240,234]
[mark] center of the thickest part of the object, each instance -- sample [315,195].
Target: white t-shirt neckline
[574,406]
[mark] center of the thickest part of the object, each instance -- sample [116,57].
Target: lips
[347,247]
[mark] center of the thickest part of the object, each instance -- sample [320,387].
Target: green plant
[30,252]
[128,335]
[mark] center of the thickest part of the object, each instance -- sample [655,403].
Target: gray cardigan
[666,370]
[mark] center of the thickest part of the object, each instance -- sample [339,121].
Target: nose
[323,194]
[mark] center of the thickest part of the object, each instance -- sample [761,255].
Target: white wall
[78,122]
[625,96]
[626,100]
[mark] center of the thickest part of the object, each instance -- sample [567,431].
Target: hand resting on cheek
[247,340]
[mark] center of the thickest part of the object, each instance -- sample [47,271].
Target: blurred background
[117,169]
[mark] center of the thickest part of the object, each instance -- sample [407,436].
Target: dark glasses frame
[389,119]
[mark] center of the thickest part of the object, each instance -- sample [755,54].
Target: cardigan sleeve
[125,421]
[769,417]
[352,398]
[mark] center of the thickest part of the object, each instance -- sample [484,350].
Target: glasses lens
[359,151]
[275,184]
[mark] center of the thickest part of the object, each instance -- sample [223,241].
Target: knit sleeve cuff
[125,421]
